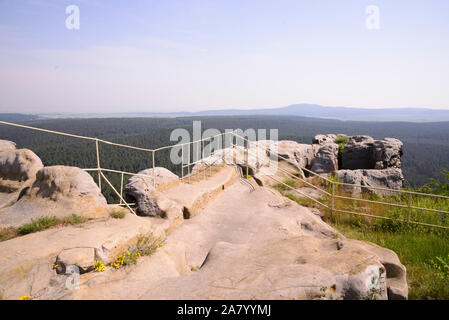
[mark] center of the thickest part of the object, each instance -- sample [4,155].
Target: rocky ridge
[214,247]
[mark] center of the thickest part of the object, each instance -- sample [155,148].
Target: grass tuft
[117,214]
[37,225]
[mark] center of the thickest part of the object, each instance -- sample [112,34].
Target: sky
[173,55]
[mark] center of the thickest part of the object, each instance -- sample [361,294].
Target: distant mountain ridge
[303,110]
[342,113]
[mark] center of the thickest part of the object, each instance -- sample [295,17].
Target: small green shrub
[37,225]
[73,219]
[117,214]
[8,233]
[286,184]
[45,223]
[130,256]
[441,264]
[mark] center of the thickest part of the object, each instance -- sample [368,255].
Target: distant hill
[17,117]
[305,110]
[342,113]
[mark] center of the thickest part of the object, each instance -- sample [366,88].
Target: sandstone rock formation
[256,159]
[367,157]
[358,153]
[57,191]
[142,189]
[222,254]
[7,145]
[301,154]
[243,243]
[390,178]
[18,169]
[326,159]
[324,138]
[26,263]
[387,153]
[363,152]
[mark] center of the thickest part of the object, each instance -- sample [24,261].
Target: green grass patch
[40,224]
[286,185]
[416,250]
[144,247]
[37,225]
[117,214]
[8,233]
[73,219]
[422,249]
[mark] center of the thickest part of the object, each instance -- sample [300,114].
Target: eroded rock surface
[57,191]
[390,178]
[7,145]
[222,254]
[27,262]
[142,189]
[326,159]
[18,168]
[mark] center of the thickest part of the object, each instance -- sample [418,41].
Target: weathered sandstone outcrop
[18,169]
[244,243]
[27,262]
[363,152]
[387,153]
[324,138]
[142,189]
[390,178]
[57,191]
[222,254]
[7,145]
[301,154]
[326,159]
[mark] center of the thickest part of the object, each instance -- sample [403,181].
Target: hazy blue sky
[170,55]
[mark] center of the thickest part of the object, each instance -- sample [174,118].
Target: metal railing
[332,195]
[226,145]
[186,158]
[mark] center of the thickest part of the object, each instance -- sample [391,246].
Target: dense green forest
[426,145]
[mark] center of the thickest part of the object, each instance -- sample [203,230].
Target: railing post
[223,143]
[409,207]
[210,156]
[246,157]
[202,158]
[333,200]
[98,163]
[154,171]
[257,153]
[182,162]
[422,211]
[121,189]
[188,163]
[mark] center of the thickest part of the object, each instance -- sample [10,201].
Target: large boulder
[7,145]
[324,138]
[57,191]
[387,153]
[256,159]
[358,153]
[143,190]
[326,159]
[27,262]
[300,154]
[390,178]
[18,169]
[363,152]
